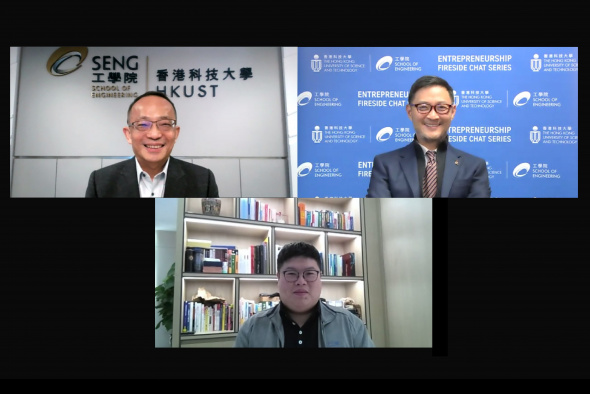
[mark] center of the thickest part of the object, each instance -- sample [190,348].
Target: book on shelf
[252,208]
[335,265]
[201,318]
[256,259]
[246,309]
[196,316]
[219,314]
[223,246]
[219,254]
[198,257]
[184,316]
[191,322]
[346,268]
[188,260]
[212,265]
[186,319]
[244,263]
[223,317]
[210,319]
[232,260]
[301,213]
[341,265]
[198,243]
[252,259]
[260,257]
[230,319]
[264,257]
[244,214]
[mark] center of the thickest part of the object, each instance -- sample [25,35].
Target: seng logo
[66,60]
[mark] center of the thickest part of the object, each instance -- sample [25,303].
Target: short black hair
[297,249]
[426,81]
[151,93]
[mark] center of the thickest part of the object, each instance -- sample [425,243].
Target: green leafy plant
[165,298]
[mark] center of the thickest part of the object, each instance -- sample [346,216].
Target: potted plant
[165,298]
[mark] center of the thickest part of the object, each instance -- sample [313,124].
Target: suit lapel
[175,182]
[130,186]
[409,165]
[452,164]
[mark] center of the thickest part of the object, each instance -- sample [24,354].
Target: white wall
[406,228]
[290,75]
[251,175]
[165,256]
[166,219]
[14,56]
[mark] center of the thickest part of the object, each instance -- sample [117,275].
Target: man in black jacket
[152,172]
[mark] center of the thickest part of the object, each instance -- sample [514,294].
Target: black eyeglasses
[309,276]
[162,124]
[425,108]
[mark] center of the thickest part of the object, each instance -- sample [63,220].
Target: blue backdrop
[517,108]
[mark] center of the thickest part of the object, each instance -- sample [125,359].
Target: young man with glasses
[300,319]
[404,172]
[152,131]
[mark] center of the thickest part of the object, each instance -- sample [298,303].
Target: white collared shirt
[148,187]
[424,150]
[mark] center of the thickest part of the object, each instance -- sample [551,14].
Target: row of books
[200,318]
[340,265]
[255,260]
[248,308]
[228,259]
[253,209]
[325,218]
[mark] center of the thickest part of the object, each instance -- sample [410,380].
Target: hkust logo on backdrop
[536,63]
[336,63]
[535,135]
[316,135]
[554,62]
[336,134]
[479,99]
[316,64]
[556,135]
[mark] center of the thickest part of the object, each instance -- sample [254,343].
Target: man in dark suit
[401,172]
[152,172]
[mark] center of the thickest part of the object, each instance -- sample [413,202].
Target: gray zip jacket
[337,328]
